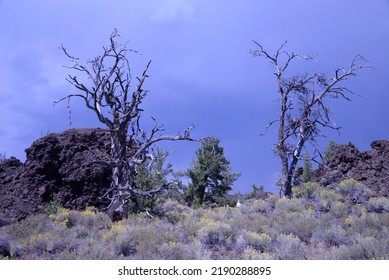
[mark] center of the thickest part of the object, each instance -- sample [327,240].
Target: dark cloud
[201,72]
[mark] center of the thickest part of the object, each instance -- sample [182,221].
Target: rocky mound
[61,164]
[370,168]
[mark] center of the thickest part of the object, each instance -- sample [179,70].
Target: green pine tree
[150,175]
[210,174]
[330,151]
[308,171]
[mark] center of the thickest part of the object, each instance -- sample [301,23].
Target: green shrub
[89,218]
[339,210]
[363,248]
[180,251]
[379,204]
[44,244]
[285,205]
[259,241]
[331,235]
[325,199]
[262,206]
[318,251]
[30,226]
[369,224]
[352,190]
[248,219]
[271,200]
[172,210]
[53,206]
[273,228]
[39,242]
[89,249]
[61,218]
[198,251]
[149,236]
[301,224]
[216,234]
[308,190]
[251,253]
[189,222]
[222,214]
[289,247]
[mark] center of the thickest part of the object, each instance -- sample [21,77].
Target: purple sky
[202,72]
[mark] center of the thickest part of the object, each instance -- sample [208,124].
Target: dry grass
[319,224]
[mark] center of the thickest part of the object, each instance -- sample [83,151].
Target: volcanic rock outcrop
[61,166]
[370,167]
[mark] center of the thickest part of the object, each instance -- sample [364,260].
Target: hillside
[343,215]
[321,224]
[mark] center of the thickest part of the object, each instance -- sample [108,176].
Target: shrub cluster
[347,222]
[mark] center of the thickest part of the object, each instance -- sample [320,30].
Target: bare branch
[300,122]
[157,190]
[268,126]
[110,97]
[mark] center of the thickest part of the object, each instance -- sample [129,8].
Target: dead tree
[107,91]
[303,110]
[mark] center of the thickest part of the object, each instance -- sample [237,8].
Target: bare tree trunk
[281,149]
[302,110]
[116,107]
[120,180]
[287,187]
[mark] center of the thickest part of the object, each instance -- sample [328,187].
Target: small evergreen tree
[330,151]
[308,171]
[210,174]
[257,192]
[150,175]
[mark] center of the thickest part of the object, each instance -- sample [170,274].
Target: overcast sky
[201,71]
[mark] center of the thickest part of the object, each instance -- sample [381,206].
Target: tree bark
[300,122]
[110,98]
